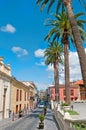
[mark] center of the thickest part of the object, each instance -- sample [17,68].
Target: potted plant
[66,106]
[41,123]
[20,113]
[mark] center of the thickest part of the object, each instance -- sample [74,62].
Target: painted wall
[19,96]
[73,92]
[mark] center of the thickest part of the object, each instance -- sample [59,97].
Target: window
[16,109]
[72,92]
[20,107]
[20,95]
[17,95]
[64,92]
[53,91]
[25,96]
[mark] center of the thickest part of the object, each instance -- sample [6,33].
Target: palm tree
[75,30]
[53,56]
[62,29]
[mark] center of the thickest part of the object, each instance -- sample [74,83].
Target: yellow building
[19,96]
[31,94]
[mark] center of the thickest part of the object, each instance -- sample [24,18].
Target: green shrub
[65,104]
[83,125]
[45,108]
[71,112]
[41,117]
[20,111]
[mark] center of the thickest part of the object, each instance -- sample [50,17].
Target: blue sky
[22,33]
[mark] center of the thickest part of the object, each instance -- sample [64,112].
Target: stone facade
[5,89]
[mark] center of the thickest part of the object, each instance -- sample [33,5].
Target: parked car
[41,104]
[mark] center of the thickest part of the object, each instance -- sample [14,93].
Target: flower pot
[41,125]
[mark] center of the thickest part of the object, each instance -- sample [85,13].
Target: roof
[63,86]
[78,82]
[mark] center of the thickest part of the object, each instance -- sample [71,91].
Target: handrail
[69,124]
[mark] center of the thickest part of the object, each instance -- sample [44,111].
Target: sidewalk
[5,122]
[8,121]
[50,123]
[80,108]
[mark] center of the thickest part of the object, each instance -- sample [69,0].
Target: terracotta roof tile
[78,82]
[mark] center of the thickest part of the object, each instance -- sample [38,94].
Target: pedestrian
[72,107]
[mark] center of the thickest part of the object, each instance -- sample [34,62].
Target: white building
[5,89]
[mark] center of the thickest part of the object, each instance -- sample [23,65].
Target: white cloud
[42,86]
[39,53]
[75,70]
[40,64]
[51,76]
[8,28]
[50,68]
[19,51]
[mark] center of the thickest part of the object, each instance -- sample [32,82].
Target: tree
[75,30]
[53,55]
[61,29]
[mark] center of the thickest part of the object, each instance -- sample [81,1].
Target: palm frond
[50,4]
[53,49]
[79,14]
[44,3]
[84,3]
[56,36]
[38,1]
[50,34]
[83,34]
[58,5]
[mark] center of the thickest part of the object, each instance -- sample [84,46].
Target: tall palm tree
[75,30]
[53,55]
[62,29]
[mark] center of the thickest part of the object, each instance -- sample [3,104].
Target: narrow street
[31,122]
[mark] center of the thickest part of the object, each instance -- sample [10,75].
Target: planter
[67,107]
[20,114]
[41,125]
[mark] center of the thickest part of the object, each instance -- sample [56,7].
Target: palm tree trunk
[56,81]
[78,42]
[67,76]
[66,64]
